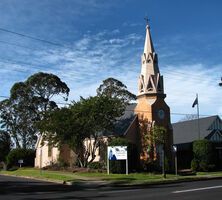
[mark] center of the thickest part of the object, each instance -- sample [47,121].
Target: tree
[114,88]
[28,104]
[158,136]
[203,155]
[5,146]
[26,155]
[84,120]
[189,117]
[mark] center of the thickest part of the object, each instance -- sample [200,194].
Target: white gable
[216,137]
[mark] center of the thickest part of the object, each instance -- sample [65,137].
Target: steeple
[150,80]
[148,46]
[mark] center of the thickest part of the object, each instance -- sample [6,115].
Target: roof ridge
[202,118]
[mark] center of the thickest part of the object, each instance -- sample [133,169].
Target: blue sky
[96,39]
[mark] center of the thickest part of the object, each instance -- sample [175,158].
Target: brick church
[151,109]
[139,119]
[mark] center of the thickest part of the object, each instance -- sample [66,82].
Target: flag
[195,102]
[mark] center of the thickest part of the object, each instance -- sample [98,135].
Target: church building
[151,109]
[139,119]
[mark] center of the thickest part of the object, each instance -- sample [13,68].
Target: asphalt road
[26,189]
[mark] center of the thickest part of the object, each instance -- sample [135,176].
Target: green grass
[218,173]
[41,174]
[135,178]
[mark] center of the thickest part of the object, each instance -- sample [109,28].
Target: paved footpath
[16,188]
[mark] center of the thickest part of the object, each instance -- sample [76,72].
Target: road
[26,189]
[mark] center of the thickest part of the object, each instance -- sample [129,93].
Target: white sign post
[117,153]
[175,151]
[20,162]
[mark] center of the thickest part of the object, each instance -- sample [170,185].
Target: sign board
[20,161]
[117,153]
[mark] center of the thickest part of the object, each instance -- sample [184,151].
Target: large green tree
[84,120]
[114,88]
[28,103]
[87,119]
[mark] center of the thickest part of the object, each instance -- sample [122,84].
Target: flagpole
[198,116]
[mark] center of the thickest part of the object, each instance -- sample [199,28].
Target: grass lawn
[41,174]
[134,178]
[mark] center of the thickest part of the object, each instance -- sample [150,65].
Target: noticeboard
[117,152]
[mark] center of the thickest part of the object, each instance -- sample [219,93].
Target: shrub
[27,155]
[152,166]
[96,165]
[62,163]
[204,155]
[194,165]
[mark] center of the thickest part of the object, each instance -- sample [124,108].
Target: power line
[21,63]
[17,45]
[172,113]
[131,110]
[30,37]
[17,62]
[182,75]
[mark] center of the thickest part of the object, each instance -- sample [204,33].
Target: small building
[186,132]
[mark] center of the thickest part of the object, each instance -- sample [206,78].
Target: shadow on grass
[33,190]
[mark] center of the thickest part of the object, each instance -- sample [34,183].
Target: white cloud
[183,82]
[115,31]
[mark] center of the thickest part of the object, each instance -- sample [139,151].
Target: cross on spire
[147,20]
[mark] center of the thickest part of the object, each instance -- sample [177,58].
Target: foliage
[158,135]
[152,166]
[5,145]
[194,165]
[114,88]
[96,165]
[119,141]
[82,124]
[28,104]
[189,117]
[27,155]
[153,135]
[84,120]
[203,155]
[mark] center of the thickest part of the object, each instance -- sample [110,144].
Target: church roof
[123,122]
[187,131]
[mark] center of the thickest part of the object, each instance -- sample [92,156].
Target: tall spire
[150,81]
[148,46]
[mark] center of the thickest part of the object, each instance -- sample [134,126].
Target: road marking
[119,191]
[198,189]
